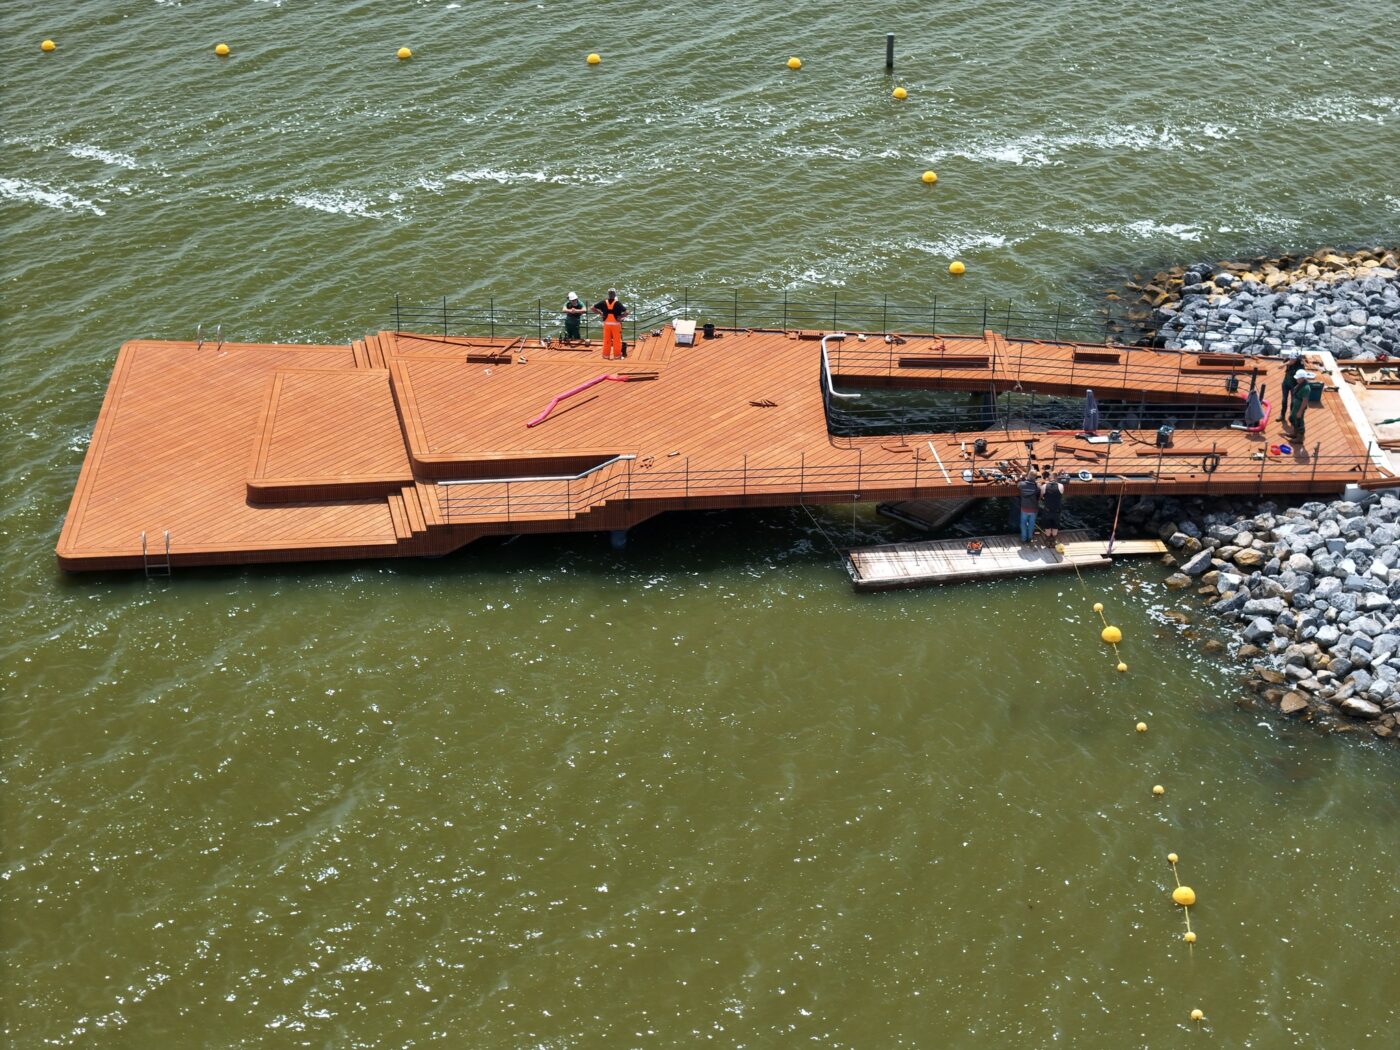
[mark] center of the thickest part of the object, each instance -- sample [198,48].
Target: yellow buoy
[47,45]
[403,53]
[221,50]
[1172,858]
[1158,789]
[794,62]
[957,268]
[1198,1015]
[899,92]
[1184,895]
[1112,635]
[1121,667]
[1098,607]
[1189,937]
[1142,727]
[594,58]
[928,178]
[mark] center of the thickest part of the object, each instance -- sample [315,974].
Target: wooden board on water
[895,565]
[1121,548]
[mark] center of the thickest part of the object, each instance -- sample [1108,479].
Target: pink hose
[570,393]
[1259,427]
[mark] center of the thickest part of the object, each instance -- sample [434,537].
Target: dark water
[544,794]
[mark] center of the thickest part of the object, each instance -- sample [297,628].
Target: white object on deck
[685,332]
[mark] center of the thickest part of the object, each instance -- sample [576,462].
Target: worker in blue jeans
[1028,491]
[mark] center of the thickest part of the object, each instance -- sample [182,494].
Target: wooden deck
[403,445]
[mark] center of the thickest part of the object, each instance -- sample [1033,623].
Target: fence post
[539,318]
[736,309]
[1057,322]
[746,474]
[802,477]
[444,317]
[491,320]
[1316,449]
[860,473]
[398,322]
[833,310]
[935,315]
[785,301]
[1262,460]
[687,477]
[507,501]
[885,316]
[984,313]
[1366,463]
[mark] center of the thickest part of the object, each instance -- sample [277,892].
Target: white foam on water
[505,177]
[1145,228]
[38,193]
[334,202]
[85,151]
[1040,149]
[837,152]
[1344,109]
[958,244]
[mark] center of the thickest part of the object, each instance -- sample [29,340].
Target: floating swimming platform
[892,566]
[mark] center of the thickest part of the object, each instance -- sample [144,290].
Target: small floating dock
[892,566]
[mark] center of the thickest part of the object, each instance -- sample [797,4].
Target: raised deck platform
[403,445]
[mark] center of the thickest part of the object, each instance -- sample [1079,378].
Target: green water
[543,794]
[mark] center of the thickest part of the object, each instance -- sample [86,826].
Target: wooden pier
[409,445]
[892,566]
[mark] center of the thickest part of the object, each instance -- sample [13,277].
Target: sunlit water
[543,794]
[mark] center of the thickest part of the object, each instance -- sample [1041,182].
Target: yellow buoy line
[956,268]
[1182,895]
[1110,635]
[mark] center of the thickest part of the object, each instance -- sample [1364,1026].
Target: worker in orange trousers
[612,310]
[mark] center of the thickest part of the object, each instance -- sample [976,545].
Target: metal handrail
[826,367]
[837,483]
[543,477]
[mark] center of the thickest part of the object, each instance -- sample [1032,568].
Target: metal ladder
[218,336]
[157,564]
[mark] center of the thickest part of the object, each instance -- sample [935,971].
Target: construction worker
[1302,394]
[573,311]
[1290,380]
[612,310]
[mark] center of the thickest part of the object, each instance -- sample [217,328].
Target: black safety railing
[494,319]
[1134,468]
[736,308]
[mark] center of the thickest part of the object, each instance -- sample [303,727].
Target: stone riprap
[1347,303]
[1312,591]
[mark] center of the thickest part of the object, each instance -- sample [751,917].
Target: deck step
[377,354]
[416,520]
[357,348]
[428,500]
[402,529]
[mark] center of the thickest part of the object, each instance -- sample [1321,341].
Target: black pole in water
[889,52]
